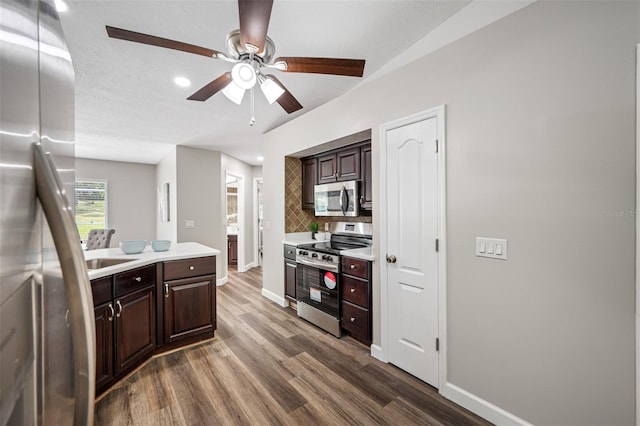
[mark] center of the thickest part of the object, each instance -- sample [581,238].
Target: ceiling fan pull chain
[253,117]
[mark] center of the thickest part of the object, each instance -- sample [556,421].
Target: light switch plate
[493,248]
[189,224]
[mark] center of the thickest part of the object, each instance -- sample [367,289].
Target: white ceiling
[129,109]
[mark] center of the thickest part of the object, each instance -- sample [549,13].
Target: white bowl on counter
[132,246]
[160,245]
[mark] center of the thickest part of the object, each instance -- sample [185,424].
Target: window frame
[106,201]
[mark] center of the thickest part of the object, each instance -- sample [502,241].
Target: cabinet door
[189,308]
[232,250]
[366,196]
[348,162]
[135,328]
[327,168]
[104,316]
[290,280]
[309,179]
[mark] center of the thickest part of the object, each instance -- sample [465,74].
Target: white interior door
[412,259]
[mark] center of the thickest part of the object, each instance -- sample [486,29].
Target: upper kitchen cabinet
[352,162]
[366,192]
[340,165]
[309,180]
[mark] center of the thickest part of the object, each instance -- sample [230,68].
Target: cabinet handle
[111,312]
[137,279]
[120,309]
[353,266]
[191,268]
[353,319]
[353,290]
[166,290]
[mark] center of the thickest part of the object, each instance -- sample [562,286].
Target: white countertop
[148,256]
[361,253]
[297,238]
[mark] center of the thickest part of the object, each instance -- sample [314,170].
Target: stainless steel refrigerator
[47,336]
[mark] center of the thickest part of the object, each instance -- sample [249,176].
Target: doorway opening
[234,220]
[257,213]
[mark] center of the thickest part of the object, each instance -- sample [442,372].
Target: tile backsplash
[296,219]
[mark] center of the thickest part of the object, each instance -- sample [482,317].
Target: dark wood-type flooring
[266,366]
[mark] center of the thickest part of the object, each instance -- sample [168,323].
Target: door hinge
[437,344]
[437,244]
[436,146]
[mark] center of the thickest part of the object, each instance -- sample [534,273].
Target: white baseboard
[245,268]
[479,406]
[275,298]
[376,352]
[222,281]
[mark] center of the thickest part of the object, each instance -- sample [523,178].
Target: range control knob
[327,258]
[314,254]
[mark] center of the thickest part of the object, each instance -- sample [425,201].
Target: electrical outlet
[493,248]
[189,224]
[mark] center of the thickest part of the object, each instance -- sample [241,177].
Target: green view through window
[91,206]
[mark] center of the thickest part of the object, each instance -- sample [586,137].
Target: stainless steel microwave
[337,199]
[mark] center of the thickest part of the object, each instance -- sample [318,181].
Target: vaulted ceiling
[129,109]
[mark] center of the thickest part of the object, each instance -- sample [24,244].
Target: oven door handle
[331,268]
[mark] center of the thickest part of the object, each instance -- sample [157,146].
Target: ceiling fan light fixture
[271,90]
[244,75]
[234,92]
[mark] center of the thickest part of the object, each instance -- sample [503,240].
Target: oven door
[318,288]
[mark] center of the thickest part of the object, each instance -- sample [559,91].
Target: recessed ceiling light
[260,158]
[61,6]
[182,81]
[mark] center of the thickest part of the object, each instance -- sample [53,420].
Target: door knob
[391,259]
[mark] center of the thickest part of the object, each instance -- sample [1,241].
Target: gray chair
[99,238]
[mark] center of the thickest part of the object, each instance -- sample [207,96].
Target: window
[91,205]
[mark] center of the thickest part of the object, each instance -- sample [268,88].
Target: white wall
[540,134]
[199,198]
[131,196]
[166,172]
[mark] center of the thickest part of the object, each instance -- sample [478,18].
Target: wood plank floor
[266,366]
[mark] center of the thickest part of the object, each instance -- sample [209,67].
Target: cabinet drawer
[188,268]
[135,279]
[355,291]
[356,321]
[289,252]
[102,290]
[355,267]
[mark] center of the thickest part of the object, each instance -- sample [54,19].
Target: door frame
[256,224]
[241,219]
[637,233]
[439,114]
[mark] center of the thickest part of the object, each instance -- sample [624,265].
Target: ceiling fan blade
[286,100]
[254,22]
[349,67]
[159,41]
[212,88]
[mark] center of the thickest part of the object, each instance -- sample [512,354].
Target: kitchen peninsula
[148,303]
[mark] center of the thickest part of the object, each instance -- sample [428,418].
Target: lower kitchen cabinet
[104,315]
[356,298]
[135,328]
[189,308]
[232,249]
[189,302]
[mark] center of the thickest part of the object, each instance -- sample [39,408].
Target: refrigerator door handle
[58,212]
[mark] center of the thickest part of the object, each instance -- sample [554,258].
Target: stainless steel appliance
[318,274]
[337,199]
[47,335]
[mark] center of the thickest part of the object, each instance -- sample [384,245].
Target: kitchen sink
[105,262]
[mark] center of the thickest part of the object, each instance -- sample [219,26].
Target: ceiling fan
[251,52]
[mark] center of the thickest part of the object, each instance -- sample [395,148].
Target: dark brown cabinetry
[356,298]
[232,249]
[290,272]
[309,180]
[366,192]
[352,162]
[189,299]
[125,322]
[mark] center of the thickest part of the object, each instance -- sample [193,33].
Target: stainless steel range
[318,273]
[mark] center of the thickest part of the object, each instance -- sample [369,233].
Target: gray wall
[540,135]
[131,196]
